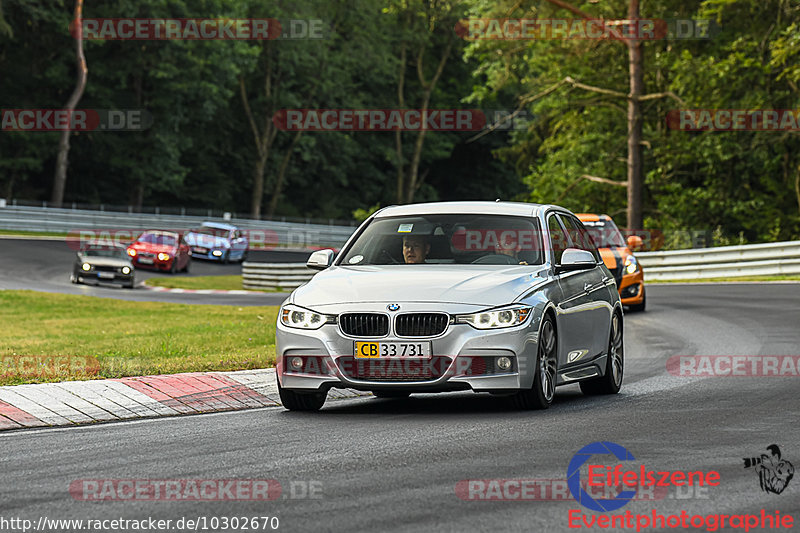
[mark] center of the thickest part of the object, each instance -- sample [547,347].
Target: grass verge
[788,277]
[131,338]
[20,233]
[226,283]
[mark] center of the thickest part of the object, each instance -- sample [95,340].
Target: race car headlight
[497,318]
[86,267]
[163,257]
[216,253]
[126,270]
[131,252]
[631,265]
[297,317]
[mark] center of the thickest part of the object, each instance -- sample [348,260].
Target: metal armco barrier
[768,259]
[61,220]
[275,275]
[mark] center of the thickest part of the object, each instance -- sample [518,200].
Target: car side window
[558,239]
[579,236]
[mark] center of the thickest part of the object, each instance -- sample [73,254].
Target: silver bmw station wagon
[507,298]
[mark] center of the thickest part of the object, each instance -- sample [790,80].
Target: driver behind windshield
[415,249]
[508,245]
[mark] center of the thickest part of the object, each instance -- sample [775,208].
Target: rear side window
[579,237]
[558,239]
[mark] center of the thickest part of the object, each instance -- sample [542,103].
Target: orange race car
[618,257]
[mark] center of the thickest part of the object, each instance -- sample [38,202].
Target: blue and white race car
[217,242]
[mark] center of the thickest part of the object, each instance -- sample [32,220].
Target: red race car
[161,250]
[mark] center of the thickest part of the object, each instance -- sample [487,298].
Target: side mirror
[574,259]
[320,260]
[635,242]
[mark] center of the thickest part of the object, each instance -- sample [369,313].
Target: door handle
[587,287]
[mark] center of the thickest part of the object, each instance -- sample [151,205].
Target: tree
[60,178]
[424,24]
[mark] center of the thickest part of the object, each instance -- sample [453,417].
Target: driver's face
[415,250]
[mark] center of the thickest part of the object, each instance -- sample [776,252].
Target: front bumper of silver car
[462,358]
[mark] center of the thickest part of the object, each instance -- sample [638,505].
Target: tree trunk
[398,134]
[262,139]
[412,183]
[60,178]
[258,187]
[635,177]
[276,194]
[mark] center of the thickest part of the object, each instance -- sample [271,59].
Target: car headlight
[131,252]
[496,318]
[163,257]
[631,264]
[217,253]
[297,317]
[86,267]
[126,270]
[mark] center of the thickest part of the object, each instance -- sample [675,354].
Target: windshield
[447,239]
[214,232]
[105,251]
[158,238]
[605,233]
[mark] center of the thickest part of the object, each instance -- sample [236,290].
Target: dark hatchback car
[103,263]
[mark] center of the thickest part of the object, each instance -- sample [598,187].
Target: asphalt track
[393,465]
[45,265]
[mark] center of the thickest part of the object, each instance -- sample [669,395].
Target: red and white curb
[83,402]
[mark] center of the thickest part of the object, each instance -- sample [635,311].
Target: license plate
[200,250]
[146,260]
[105,275]
[378,350]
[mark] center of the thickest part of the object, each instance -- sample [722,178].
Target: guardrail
[62,220]
[768,259]
[280,276]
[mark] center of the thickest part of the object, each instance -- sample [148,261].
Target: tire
[188,263]
[611,381]
[302,401]
[73,278]
[244,257]
[226,258]
[174,267]
[640,307]
[540,395]
[390,394]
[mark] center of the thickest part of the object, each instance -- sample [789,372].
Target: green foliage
[737,186]
[199,151]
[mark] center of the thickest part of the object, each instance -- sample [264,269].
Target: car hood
[485,285]
[206,241]
[614,257]
[153,248]
[103,261]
